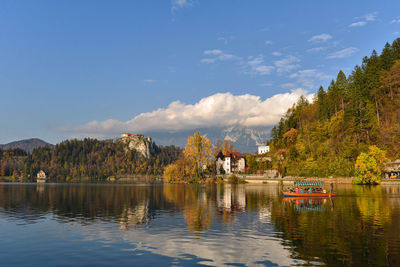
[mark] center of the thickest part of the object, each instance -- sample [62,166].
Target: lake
[188,225]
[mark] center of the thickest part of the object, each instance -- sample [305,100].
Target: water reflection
[308,204]
[215,225]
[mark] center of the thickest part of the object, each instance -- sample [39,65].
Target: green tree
[368,167]
[342,86]
[322,105]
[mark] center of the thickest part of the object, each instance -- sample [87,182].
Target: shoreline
[249,179]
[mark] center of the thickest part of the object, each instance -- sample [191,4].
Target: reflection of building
[226,200]
[263,149]
[231,163]
[41,177]
[232,198]
[264,214]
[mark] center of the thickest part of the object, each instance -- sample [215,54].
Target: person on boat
[324,191]
[296,190]
[301,191]
[309,190]
[332,188]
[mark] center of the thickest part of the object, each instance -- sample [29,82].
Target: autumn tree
[369,165]
[226,147]
[290,137]
[199,151]
[178,171]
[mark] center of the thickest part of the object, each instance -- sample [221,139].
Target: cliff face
[141,144]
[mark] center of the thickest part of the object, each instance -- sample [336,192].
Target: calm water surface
[184,225]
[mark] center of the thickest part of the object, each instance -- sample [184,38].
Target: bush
[209,180]
[220,180]
[368,167]
[234,179]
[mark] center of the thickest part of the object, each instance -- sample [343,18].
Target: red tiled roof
[237,154]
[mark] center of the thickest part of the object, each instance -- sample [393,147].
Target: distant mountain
[28,144]
[244,139]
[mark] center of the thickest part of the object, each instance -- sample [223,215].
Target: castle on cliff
[140,143]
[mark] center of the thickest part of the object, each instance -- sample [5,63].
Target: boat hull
[308,195]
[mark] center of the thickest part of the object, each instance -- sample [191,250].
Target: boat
[307,194]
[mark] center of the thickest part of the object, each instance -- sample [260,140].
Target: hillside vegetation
[88,158]
[325,137]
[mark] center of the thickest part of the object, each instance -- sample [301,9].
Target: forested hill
[82,159]
[324,138]
[28,145]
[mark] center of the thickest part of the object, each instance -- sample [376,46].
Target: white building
[234,162]
[263,149]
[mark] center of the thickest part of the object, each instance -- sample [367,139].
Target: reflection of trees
[195,202]
[127,204]
[372,206]
[200,204]
[360,230]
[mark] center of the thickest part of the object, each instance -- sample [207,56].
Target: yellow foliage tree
[199,151]
[226,147]
[180,170]
[368,167]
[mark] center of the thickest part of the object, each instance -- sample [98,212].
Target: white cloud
[218,110]
[257,66]
[268,42]
[216,55]
[150,81]
[178,4]
[287,64]
[316,49]
[321,38]
[358,24]
[368,17]
[363,20]
[371,17]
[212,52]
[396,20]
[309,77]
[226,39]
[277,54]
[347,52]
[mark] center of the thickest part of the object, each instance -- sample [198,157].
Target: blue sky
[95,68]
